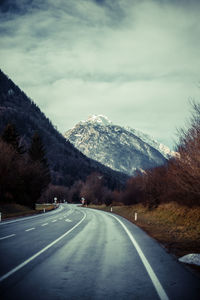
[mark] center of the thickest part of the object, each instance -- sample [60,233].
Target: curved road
[79,253]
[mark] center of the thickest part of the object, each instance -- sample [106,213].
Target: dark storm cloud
[17,7]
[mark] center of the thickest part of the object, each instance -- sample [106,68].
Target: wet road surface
[79,253]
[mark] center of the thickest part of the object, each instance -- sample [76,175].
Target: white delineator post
[44,210]
[55,202]
[111,209]
[135,216]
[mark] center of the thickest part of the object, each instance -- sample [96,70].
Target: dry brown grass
[47,207]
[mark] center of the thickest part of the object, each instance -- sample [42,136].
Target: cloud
[134,61]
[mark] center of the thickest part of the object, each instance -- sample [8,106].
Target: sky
[136,62]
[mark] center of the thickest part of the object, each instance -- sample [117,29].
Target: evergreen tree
[36,151]
[11,136]
[37,154]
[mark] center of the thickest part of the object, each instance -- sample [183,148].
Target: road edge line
[159,289]
[8,274]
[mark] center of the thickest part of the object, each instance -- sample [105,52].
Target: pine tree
[11,136]
[36,151]
[37,154]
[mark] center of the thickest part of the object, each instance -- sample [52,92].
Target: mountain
[122,149]
[67,164]
[163,149]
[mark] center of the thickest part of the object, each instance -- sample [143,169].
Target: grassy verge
[176,227]
[47,207]
[13,210]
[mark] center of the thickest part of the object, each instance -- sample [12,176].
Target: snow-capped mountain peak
[122,149]
[98,119]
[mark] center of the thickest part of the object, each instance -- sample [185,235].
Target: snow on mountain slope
[163,149]
[114,146]
[99,119]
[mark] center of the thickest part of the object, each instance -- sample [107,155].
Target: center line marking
[30,229]
[68,220]
[44,224]
[6,237]
[17,268]
[54,221]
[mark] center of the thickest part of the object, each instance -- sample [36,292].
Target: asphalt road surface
[79,253]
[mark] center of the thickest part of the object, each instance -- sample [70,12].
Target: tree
[92,189]
[60,192]
[37,154]
[11,136]
[75,190]
[184,169]
[36,150]
[134,190]
[40,169]
[10,180]
[155,186]
[107,196]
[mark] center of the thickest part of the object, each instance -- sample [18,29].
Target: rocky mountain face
[163,149]
[67,164]
[122,149]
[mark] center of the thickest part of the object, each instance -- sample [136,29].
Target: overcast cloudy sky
[137,62]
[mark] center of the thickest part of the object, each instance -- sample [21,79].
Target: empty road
[79,253]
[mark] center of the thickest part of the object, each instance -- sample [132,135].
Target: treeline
[178,180]
[24,172]
[93,190]
[25,176]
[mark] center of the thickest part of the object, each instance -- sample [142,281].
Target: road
[79,253]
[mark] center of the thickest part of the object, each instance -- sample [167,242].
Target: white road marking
[68,220]
[45,224]
[41,251]
[30,229]
[54,221]
[6,237]
[57,210]
[152,275]
[60,218]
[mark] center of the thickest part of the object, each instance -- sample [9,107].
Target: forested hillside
[67,164]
